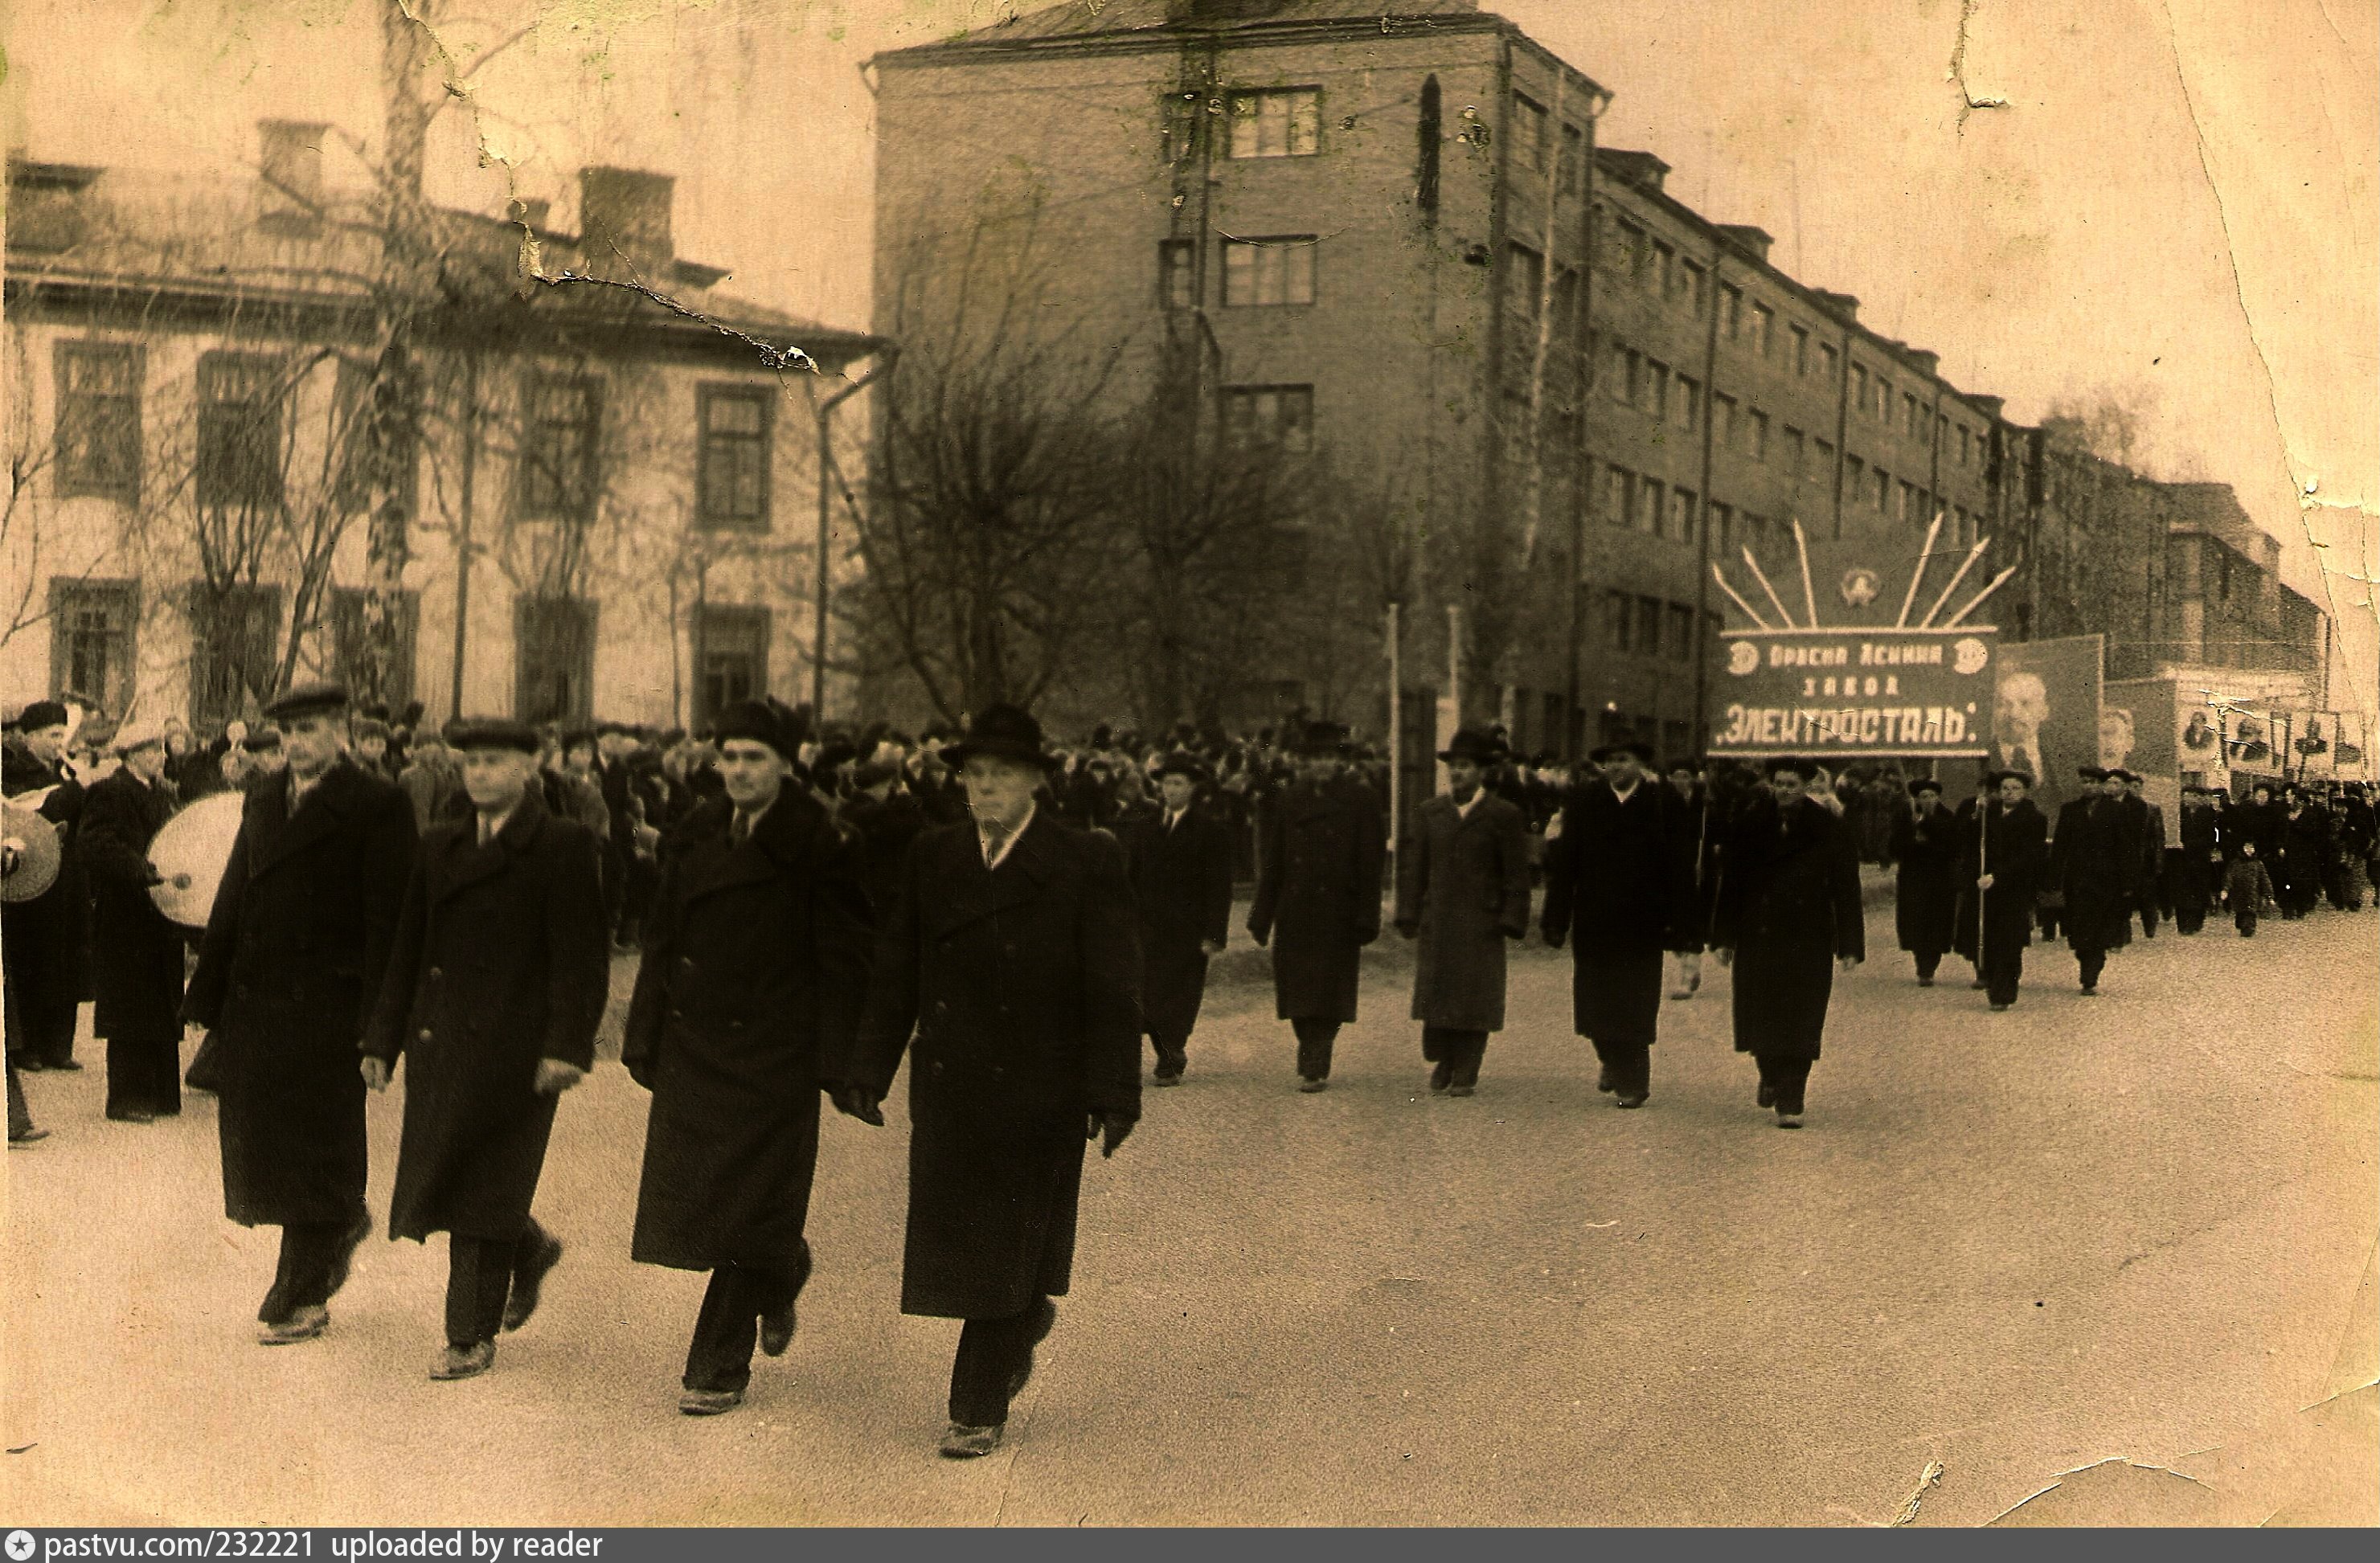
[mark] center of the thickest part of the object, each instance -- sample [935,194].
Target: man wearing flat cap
[287,975]
[1462,891]
[2003,853]
[1925,850]
[45,940]
[2096,863]
[1008,972]
[136,951]
[496,983]
[1617,888]
[1180,857]
[755,966]
[1788,914]
[1320,852]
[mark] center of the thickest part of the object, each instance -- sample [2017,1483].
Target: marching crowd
[814,907]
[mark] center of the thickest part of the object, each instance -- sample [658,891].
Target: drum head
[197,841]
[32,850]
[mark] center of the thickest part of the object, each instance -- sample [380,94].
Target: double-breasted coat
[1463,890]
[500,960]
[2096,860]
[1618,886]
[2011,843]
[1181,892]
[755,967]
[288,973]
[1319,894]
[136,951]
[1925,850]
[1015,992]
[1789,908]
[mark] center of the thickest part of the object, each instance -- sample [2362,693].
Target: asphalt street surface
[2091,1261]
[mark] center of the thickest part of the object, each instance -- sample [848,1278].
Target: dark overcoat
[1182,891]
[755,967]
[47,939]
[885,826]
[1924,848]
[2095,859]
[1789,908]
[2012,846]
[1463,890]
[287,975]
[2197,870]
[136,951]
[1018,986]
[500,960]
[2305,855]
[1617,886]
[1319,894]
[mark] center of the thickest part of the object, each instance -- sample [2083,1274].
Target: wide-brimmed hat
[1474,744]
[1994,777]
[2092,772]
[1805,769]
[307,700]
[1603,752]
[2119,773]
[1001,732]
[465,734]
[1924,784]
[1181,763]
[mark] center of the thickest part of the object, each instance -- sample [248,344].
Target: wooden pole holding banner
[1983,855]
[1396,729]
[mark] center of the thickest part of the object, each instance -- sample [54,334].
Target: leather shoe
[961,1442]
[133,1115]
[1161,1078]
[528,1281]
[27,1136]
[1045,1319]
[1635,1098]
[1460,1090]
[1788,1121]
[1441,1077]
[464,1361]
[1603,1082]
[303,1324]
[349,1241]
[1767,1097]
[777,1330]
[69,1065]
[709,1402]
[1311,1085]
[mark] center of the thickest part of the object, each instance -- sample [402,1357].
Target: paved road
[2137,1227]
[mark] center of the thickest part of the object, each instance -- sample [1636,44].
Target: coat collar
[281,834]
[975,891]
[465,862]
[780,841]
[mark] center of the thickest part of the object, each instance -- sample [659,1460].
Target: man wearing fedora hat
[496,983]
[1923,850]
[2096,865]
[1008,971]
[1180,858]
[755,967]
[1320,854]
[136,951]
[2003,853]
[1463,890]
[1617,888]
[288,973]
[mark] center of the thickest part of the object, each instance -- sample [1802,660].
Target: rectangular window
[1269,271]
[1858,388]
[1797,452]
[1681,515]
[1723,527]
[1697,289]
[1883,489]
[92,630]
[1635,379]
[1573,168]
[1177,275]
[554,658]
[1908,499]
[732,431]
[239,455]
[1964,445]
[1823,469]
[1525,281]
[1756,531]
[1854,477]
[1619,613]
[1828,361]
[1679,643]
[1636,246]
[1657,389]
[1616,373]
[1617,494]
[555,479]
[235,632]
[1730,310]
[1648,506]
[1280,122]
[99,420]
[1723,421]
[1275,417]
[1528,134]
[731,657]
[1764,329]
[1759,435]
[1909,414]
[1649,626]
[1664,269]
[350,629]
[1689,395]
[1801,350]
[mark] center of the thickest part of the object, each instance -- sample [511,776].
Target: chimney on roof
[1843,304]
[531,210]
[624,224]
[1926,359]
[1745,236]
[1639,168]
[289,158]
[1993,407]
[46,215]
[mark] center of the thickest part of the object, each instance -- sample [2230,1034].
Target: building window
[235,631]
[1649,626]
[1573,168]
[92,625]
[1697,289]
[1854,477]
[98,419]
[1883,489]
[1619,613]
[1827,358]
[1909,414]
[1179,142]
[734,482]
[1759,435]
[1177,275]
[1529,133]
[1797,452]
[1908,499]
[1656,388]
[1617,482]
[1723,527]
[1630,384]
[1966,445]
[1756,531]
[1664,270]
[1801,350]
[1679,643]
[349,632]
[1681,515]
[731,657]
[1858,388]
[1275,417]
[1284,122]
[1648,506]
[1690,392]
[1636,246]
[1269,271]
[1723,421]
[555,479]
[1525,281]
[1730,310]
[1823,469]
[1764,329]
[554,658]
[239,431]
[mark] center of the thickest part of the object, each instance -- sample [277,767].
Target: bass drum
[196,842]
[31,847]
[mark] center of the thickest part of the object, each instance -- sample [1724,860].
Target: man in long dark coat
[1925,846]
[1788,914]
[2197,875]
[136,951]
[886,819]
[2304,855]
[1318,864]
[495,984]
[1180,858]
[1695,833]
[2003,857]
[1615,887]
[47,940]
[2095,861]
[2146,822]
[1463,890]
[1011,958]
[755,967]
[287,974]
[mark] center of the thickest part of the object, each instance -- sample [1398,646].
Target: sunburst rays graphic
[1907,601]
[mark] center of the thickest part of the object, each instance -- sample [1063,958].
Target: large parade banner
[2046,717]
[2138,730]
[1854,694]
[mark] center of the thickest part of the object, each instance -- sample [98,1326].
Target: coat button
[426,1033]
[678,1014]
[437,974]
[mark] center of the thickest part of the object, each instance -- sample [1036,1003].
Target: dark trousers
[994,1358]
[20,1117]
[2003,971]
[1629,1065]
[313,1262]
[2189,919]
[479,1279]
[2091,963]
[206,1065]
[2049,916]
[1788,1077]
[144,1074]
[2148,917]
[2244,919]
[1928,961]
[1172,1053]
[1314,1041]
[729,1325]
[1459,1052]
[49,1026]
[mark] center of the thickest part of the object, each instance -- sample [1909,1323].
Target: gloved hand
[554,1076]
[1117,1126]
[376,1072]
[859,1102]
